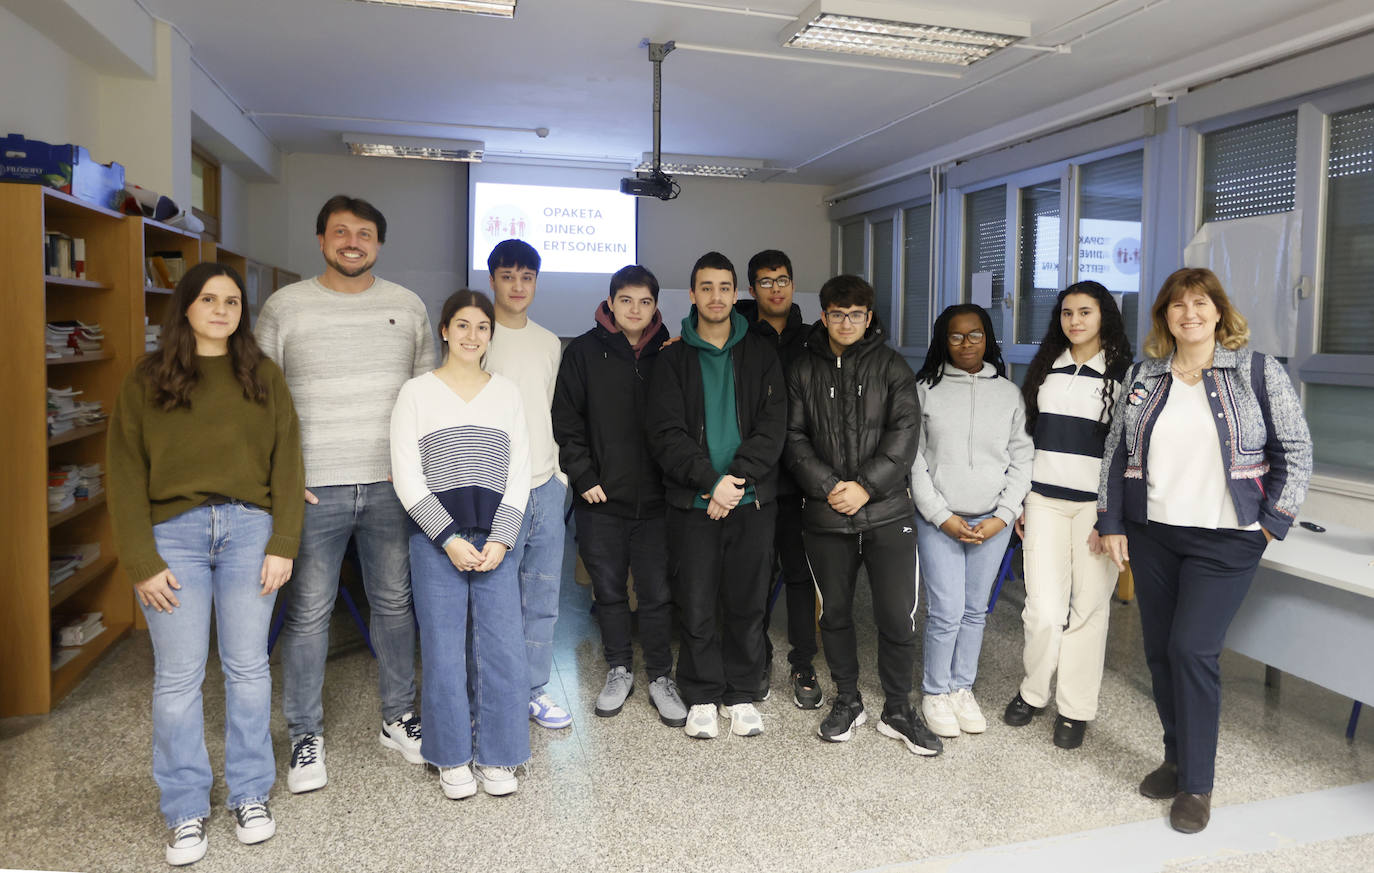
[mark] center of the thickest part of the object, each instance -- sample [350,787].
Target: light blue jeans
[958,579]
[373,515]
[539,551]
[479,711]
[215,553]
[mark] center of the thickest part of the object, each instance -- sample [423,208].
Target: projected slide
[575,230]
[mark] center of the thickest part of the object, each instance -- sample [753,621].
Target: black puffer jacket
[598,422]
[852,418]
[791,345]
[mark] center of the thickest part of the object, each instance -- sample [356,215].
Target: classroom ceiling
[577,68]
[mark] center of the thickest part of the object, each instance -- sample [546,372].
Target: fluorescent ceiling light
[498,8]
[702,165]
[901,32]
[379,146]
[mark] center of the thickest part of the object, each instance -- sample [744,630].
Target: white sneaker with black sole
[188,843]
[457,782]
[497,781]
[307,771]
[253,822]
[403,735]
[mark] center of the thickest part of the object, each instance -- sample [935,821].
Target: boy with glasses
[852,429]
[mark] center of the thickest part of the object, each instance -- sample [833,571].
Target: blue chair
[1003,573]
[352,610]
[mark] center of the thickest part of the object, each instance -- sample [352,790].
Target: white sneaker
[745,720]
[457,782]
[187,843]
[966,712]
[497,781]
[701,722]
[307,764]
[545,713]
[253,822]
[403,735]
[939,716]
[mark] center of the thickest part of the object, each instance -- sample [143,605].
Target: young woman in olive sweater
[206,490]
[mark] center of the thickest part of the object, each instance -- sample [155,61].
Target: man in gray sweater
[347,341]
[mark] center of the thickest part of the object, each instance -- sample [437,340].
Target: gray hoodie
[975,455]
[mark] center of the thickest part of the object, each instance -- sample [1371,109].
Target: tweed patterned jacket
[1266,448]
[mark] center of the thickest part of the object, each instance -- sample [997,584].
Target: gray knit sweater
[346,357]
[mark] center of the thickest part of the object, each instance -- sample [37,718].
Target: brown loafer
[1191,812]
[1162,783]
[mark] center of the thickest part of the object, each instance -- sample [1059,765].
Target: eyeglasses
[837,318]
[973,339]
[770,284]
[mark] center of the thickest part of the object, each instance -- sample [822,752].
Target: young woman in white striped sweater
[461,463]
[1070,388]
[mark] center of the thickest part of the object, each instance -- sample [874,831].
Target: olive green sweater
[163,463]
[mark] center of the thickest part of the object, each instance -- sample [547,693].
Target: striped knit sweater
[461,465]
[1068,443]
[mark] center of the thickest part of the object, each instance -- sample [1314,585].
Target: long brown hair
[171,371]
[1232,330]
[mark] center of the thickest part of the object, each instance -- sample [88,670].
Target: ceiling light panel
[377,146]
[496,8]
[702,165]
[900,32]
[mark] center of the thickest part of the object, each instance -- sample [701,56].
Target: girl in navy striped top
[1070,388]
[461,463]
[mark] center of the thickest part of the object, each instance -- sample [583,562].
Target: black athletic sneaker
[1019,713]
[845,715]
[901,723]
[806,689]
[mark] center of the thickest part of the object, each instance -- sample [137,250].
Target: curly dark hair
[1116,347]
[933,370]
[171,371]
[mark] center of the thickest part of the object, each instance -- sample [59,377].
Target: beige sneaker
[938,712]
[967,713]
[745,720]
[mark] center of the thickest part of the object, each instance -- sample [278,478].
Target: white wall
[425,204]
[48,94]
[738,219]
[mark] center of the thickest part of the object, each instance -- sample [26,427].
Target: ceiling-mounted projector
[659,185]
[655,182]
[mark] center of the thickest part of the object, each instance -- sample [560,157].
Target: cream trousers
[1068,598]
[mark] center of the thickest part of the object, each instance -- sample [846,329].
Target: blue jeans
[958,579]
[215,553]
[539,552]
[374,516]
[492,727]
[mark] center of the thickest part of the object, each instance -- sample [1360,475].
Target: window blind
[852,248]
[916,277]
[882,273]
[985,239]
[1038,257]
[1347,293]
[1112,190]
[1250,169]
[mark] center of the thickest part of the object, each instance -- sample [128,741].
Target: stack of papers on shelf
[66,560]
[80,630]
[66,413]
[73,482]
[61,569]
[68,338]
[152,336]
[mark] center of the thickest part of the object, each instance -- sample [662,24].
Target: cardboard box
[68,168]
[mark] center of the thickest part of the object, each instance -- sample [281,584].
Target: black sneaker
[1068,732]
[806,689]
[901,723]
[765,689]
[1019,713]
[847,714]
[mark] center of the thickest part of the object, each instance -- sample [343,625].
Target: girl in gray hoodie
[969,480]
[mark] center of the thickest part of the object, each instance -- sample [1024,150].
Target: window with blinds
[1038,260]
[1347,294]
[882,273]
[985,240]
[1250,169]
[1111,196]
[916,277]
[852,248]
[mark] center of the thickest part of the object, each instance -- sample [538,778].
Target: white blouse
[1186,482]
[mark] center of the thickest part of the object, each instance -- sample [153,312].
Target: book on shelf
[176,265]
[72,482]
[64,255]
[65,339]
[66,413]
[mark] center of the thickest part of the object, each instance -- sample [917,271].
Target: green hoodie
[718,395]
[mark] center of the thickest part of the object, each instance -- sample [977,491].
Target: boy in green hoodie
[716,423]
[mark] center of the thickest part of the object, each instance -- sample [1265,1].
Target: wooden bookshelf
[111,296]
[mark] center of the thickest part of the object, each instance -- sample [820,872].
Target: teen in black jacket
[852,426]
[599,404]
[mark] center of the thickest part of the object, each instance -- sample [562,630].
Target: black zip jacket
[852,418]
[791,344]
[677,421]
[598,422]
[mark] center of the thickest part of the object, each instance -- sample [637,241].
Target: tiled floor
[630,794]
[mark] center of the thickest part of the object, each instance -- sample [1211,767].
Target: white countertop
[1342,557]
